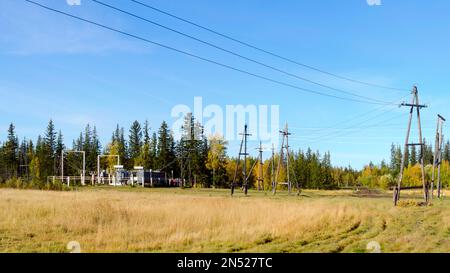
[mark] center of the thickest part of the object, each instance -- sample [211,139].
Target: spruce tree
[154,151]
[94,151]
[59,149]
[11,151]
[446,152]
[145,156]
[135,142]
[165,153]
[413,156]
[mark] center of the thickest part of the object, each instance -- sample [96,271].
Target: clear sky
[55,67]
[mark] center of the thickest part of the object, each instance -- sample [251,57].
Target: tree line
[386,175]
[202,160]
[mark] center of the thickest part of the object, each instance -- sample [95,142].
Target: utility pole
[245,160]
[414,105]
[284,146]
[437,158]
[244,141]
[273,167]
[261,166]
[62,165]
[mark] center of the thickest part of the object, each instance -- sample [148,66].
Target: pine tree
[79,143]
[154,151]
[393,164]
[192,148]
[446,152]
[396,160]
[59,149]
[120,146]
[165,153]
[413,156]
[87,140]
[11,152]
[50,138]
[145,157]
[135,142]
[123,150]
[327,177]
[94,150]
[427,153]
[48,160]
[146,133]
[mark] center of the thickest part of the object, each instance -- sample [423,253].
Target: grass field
[176,220]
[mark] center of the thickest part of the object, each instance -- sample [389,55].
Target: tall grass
[120,221]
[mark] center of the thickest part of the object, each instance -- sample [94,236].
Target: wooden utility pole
[244,141]
[272,176]
[260,170]
[414,105]
[284,147]
[437,158]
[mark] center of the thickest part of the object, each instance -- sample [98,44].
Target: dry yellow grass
[135,220]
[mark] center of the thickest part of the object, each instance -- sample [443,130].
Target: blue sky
[75,73]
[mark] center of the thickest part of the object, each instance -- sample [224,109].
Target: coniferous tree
[154,151]
[145,154]
[58,151]
[327,178]
[11,152]
[94,150]
[120,146]
[393,164]
[396,159]
[446,152]
[193,149]
[165,152]
[48,159]
[413,156]
[135,142]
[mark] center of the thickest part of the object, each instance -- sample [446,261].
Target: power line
[338,134]
[357,117]
[234,53]
[269,52]
[357,125]
[202,58]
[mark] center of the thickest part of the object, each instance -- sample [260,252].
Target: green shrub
[18,183]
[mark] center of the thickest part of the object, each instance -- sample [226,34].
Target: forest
[27,163]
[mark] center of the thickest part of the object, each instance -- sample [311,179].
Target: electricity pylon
[272,176]
[260,170]
[244,141]
[437,159]
[284,147]
[414,105]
